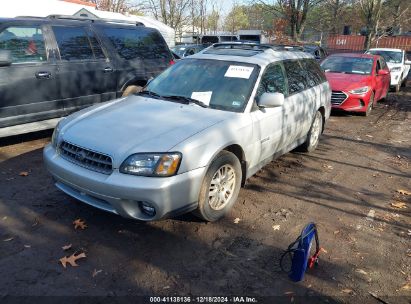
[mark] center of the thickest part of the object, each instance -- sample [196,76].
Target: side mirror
[271,100]
[408,62]
[5,58]
[383,72]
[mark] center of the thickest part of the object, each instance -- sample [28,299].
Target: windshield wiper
[185,100]
[150,93]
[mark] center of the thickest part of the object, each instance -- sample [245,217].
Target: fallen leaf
[72,259]
[79,223]
[9,239]
[276,227]
[328,166]
[24,173]
[336,232]
[406,286]
[236,220]
[166,287]
[27,246]
[399,205]
[323,250]
[403,192]
[361,271]
[350,291]
[368,135]
[66,247]
[96,272]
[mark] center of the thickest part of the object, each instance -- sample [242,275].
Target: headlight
[55,135]
[152,164]
[396,69]
[359,91]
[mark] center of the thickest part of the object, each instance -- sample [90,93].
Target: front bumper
[121,193]
[354,103]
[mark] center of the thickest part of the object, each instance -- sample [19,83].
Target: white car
[194,135]
[397,63]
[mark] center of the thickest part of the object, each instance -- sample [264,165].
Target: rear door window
[296,76]
[25,43]
[314,73]
[134,43]
[74,44]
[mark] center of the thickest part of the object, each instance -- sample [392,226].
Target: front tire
[220,188]
[370,105]
[313,136]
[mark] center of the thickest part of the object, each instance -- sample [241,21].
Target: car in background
[188,49]
[357,81]
[317,51]
[398,64]
[53,66]
[195,134]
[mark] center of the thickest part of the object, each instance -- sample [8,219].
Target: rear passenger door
[85,74]
[28,90]
[299,102]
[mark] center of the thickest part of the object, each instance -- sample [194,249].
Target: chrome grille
[338,97]
[86,158]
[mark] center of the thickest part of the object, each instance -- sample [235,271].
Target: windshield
[389,56]
[221,85]
[348,65]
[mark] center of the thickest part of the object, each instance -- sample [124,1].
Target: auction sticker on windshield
[204,97]
[238,71]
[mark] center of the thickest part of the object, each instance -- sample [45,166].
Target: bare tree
[118,6]
[296,12]
[370,11]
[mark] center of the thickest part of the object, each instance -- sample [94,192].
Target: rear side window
[273,81]
[26,44]
[315,75]
[75,44]
[132,43]
[296,76]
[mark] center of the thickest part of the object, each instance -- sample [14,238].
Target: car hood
[138,124]
[346,82]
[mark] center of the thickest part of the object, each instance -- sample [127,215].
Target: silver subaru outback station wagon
[193,136]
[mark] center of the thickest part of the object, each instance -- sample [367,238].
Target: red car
[357,81]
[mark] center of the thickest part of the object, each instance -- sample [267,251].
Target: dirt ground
[346,186]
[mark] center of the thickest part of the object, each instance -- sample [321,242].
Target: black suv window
[273,81]
[296,75]
[137,43]
[26,43]
[74,43]
[315,75]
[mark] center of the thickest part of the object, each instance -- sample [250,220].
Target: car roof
[354,55]
[385,49]
[251,53]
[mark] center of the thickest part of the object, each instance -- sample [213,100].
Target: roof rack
[69,17]
[251,46]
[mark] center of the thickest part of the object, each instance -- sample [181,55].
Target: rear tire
[131,89]
[313,136]
[220,188]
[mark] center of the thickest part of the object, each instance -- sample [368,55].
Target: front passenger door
[28,90]
[268,123]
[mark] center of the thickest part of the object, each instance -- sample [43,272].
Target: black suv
[50,67]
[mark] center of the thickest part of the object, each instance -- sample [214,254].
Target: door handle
[43,75]
[108,70]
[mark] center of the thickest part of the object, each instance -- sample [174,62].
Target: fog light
[362,103]
[147,209]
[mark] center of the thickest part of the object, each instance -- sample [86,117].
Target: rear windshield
[137,43]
